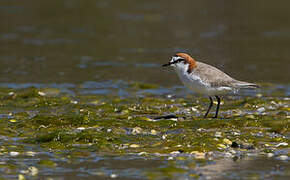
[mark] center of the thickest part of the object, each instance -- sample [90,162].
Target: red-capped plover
[205,79]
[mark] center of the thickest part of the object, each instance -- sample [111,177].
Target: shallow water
[105,57]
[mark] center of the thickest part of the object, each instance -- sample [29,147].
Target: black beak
[168,64]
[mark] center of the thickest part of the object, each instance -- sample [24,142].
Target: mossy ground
[116,125]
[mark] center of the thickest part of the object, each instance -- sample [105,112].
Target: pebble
[142,153]
[227,141]
[236,133]
[222,146]
[175,152]
[201,129]
[227,154]
[41,93]
[113,175]
[13,120]
[232,151]
[271,107]
[251,116]
[81,128]
[153,132]
[73,102]
[134,145]
[33,170]
[147,119]
[198,155]
[21,177]
[164,136]
[283,157]
[14,153]
[169,96]
[173,119]
[270,155]
[218,134]
[261,109]
[136,130]
[282,144]
[193,109]
[252,154]
[30,153]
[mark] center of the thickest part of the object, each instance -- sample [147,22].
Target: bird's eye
[180,60]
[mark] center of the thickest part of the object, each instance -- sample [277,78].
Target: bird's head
[181,62]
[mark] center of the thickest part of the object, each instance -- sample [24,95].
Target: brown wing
[213,76]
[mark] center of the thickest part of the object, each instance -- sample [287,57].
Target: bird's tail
[246,85]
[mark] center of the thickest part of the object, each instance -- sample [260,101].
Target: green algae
[57,120]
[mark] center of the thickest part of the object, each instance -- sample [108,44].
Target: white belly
[194,83]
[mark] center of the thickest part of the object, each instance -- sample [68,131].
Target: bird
[205,79]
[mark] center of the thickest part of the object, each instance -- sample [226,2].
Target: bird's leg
[218,106]
[209,107]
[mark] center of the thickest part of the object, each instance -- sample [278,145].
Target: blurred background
[75,41]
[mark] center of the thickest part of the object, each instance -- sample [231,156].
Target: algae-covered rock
[151,124]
